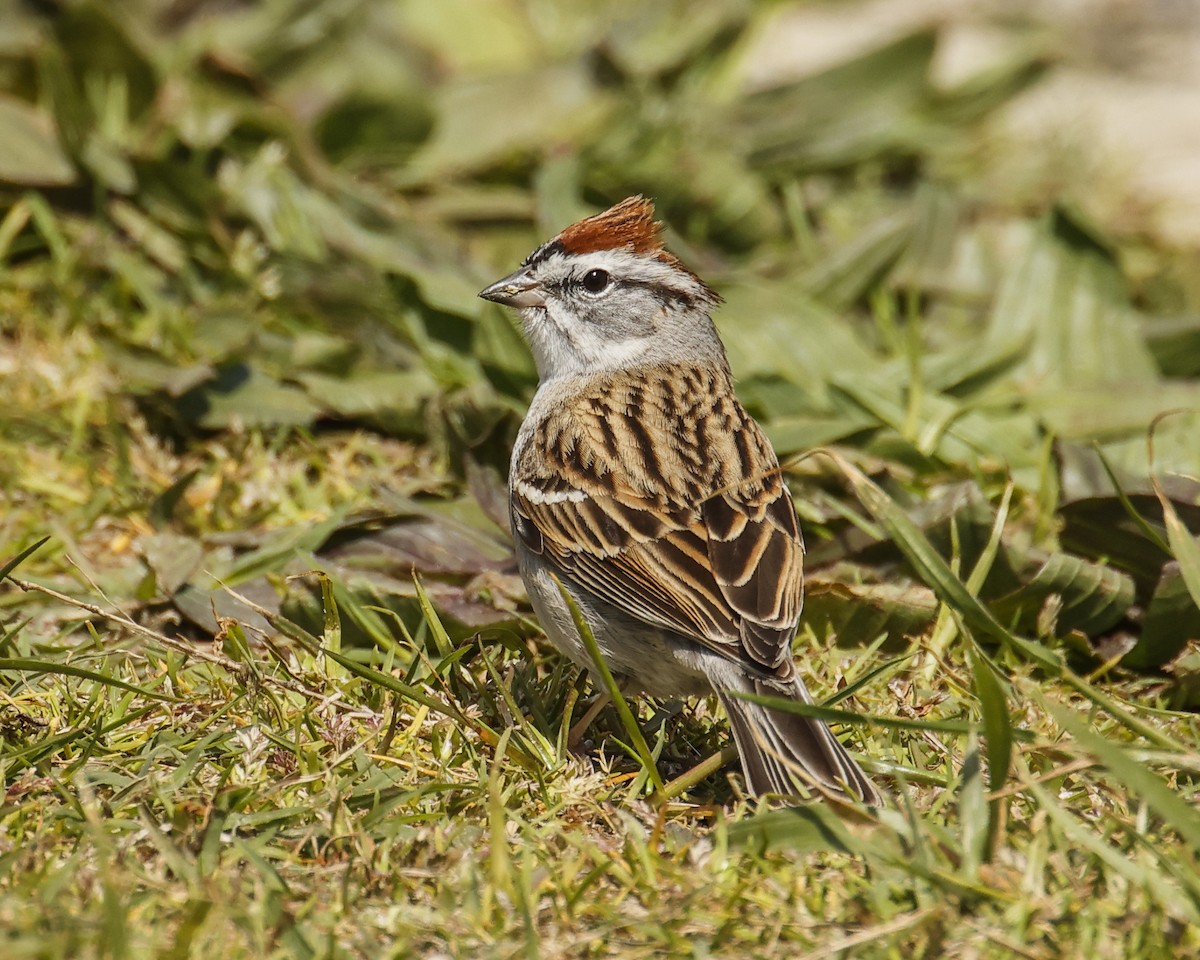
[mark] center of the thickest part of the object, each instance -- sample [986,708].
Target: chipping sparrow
[641,483]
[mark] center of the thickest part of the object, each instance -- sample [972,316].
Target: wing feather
[662,496]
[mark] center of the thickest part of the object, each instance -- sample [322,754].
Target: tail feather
[780,751]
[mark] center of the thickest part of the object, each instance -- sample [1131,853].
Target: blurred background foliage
[235,229]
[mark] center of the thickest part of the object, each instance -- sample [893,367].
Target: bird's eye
[596,281]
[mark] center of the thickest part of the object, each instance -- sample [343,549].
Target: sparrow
[641,484]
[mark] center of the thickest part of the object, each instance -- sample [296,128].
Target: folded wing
[686,527]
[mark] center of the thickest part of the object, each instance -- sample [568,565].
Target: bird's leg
[701,771]
[580,726]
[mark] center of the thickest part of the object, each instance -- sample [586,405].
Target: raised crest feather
[630,225]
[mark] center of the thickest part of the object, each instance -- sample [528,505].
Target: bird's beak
[516,290]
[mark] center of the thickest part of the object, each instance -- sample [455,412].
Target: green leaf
[858,613]
[799,830]
[481,121]
[31,155]
[777,329]
[247,396]
[174,558]
[441,637]
[661,38]
[1175,343]
[843,278]
[276,548]
[1171,620]
[394,397]
[1058,287]
[331,633]
[503,354]
[162,508]
[1185,546]
[160,244]
[843,115]
[1101,527]
[1093,597]
[370,130]
[975,821]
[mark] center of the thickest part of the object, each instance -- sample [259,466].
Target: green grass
[268,682]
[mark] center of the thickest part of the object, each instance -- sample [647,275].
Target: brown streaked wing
[727,571]
[757,559]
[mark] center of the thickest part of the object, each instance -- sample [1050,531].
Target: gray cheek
[624,315]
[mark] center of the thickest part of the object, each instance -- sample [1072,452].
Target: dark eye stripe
[664,294]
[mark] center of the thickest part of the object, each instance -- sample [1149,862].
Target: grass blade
[830,715]
[20,558]
[29,665]
[933,569]
[997,726]
[628,721]
[1136,777]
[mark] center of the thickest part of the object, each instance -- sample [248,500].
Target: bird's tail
[781,750]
